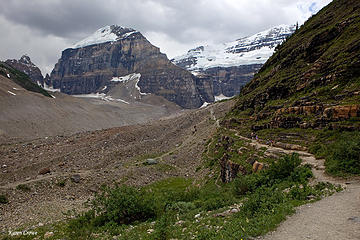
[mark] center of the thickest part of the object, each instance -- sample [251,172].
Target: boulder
[150,161]
[48,235]
[75,178]
[257,166]
[44,171]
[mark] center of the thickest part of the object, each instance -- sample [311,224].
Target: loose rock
[75,178]
[44,171]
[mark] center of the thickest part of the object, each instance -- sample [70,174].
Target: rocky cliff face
[114,52]
[228,81]
[25,65]
[231,65]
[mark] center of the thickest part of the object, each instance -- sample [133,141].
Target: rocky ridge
[115,52]
[25,65]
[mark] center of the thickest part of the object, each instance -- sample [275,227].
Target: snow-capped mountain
[111,53]
[106,34]
[255,49]
[230,66]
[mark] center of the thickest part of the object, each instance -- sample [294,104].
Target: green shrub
[262,201]
[3,199]
[61,183]
[301,174]
[284,167]
[81,227]
[241,185]
[300,192]
[344,155]
[182,207]
[123,205]
[215,203]
[163,226]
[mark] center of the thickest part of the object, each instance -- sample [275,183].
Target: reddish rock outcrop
[257,166]
[342,112]
[301,110]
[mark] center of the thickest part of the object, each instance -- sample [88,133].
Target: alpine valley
[119,142]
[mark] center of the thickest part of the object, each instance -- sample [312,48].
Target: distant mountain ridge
[255,49]
[115,52]
[231,65]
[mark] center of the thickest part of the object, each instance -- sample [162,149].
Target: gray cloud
[44,28]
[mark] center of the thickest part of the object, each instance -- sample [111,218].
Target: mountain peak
[25,65]
[255,49]
[105,34]
[25,59]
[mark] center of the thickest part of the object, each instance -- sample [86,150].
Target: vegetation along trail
[334,217]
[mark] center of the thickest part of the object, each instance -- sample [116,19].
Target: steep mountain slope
[231,65]
[25,65]
[20,78]
[115,52]
[313,79]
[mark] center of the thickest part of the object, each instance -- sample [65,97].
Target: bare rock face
[324,116]
[342,112]
[228,169]
[228,81]
[25,65]
[115,52]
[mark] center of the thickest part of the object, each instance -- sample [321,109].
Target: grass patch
[341,151]
[23,187]
[164,167]
[61,183]
[3,199]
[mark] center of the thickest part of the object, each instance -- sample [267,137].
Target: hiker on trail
[256,138]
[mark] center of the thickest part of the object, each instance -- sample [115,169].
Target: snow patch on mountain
[126,78]
[11,93]
[48,88]
[131,77]
[205,104]
[255,49]
[102,96]
[221,97]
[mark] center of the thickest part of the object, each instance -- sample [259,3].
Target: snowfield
[255,49]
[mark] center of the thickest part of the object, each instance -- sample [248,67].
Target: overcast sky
[43,28]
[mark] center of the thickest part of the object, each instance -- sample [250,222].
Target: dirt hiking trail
[335,217]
